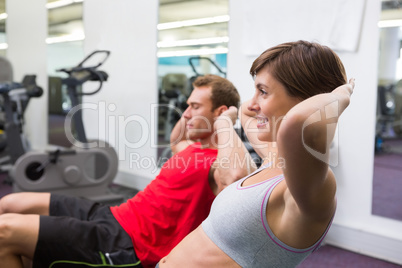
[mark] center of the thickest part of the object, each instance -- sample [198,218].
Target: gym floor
[326,257]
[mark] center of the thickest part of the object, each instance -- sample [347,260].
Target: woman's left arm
[304,139]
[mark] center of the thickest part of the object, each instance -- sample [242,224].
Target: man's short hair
[223,91]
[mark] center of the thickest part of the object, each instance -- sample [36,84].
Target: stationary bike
[79,170]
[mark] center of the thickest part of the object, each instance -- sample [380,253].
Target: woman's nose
[253,105]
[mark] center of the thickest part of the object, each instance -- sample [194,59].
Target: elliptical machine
[79,170]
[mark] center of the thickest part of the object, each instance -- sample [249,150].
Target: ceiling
[67,19]
[179,10]
[174,10]
[170,10]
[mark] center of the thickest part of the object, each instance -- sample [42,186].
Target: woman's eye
[262,92]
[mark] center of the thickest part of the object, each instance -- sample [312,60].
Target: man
[58,231]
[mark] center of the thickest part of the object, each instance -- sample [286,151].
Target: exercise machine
[172,97]
[82,170]
[14,101]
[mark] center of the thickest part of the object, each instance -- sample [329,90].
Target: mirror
[3,16]
[387,173]
[192,41]
[65,49]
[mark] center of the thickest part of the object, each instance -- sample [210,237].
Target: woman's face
[270,102]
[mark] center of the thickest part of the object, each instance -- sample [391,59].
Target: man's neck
[209,143]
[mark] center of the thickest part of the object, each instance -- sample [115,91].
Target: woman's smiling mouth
[261,121]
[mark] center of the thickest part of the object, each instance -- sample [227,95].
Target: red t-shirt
[171,206]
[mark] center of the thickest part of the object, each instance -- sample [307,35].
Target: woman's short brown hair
[303,68]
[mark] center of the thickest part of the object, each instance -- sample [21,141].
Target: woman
[278,215]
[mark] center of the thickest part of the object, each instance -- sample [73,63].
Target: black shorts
[82,233]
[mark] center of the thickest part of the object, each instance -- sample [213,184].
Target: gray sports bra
[238,225]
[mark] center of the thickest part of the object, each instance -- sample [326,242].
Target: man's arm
[233,161]
[178,137]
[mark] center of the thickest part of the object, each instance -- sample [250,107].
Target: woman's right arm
[304,139]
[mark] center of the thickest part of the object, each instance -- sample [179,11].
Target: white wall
[26,30]
[128,29]
[354,227]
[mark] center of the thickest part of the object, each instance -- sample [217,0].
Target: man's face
[199,116]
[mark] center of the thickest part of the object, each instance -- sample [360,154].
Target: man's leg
[25,203]
[18,238]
